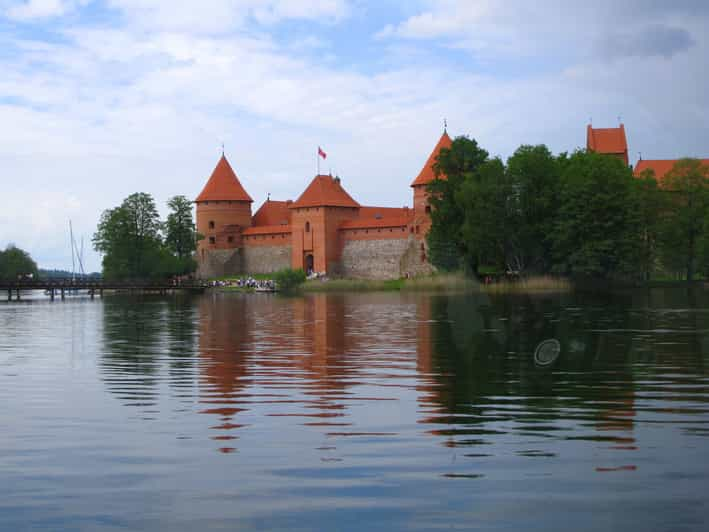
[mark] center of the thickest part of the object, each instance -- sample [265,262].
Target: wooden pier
[61,287]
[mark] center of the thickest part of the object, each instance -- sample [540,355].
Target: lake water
[356,412]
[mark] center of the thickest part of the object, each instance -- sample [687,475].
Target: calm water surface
[355,412]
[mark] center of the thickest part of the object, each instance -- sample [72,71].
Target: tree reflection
[139,336]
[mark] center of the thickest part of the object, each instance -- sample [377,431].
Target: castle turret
[611,141]
[422,207]
[223,209]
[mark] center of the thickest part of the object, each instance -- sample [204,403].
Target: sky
[103,98]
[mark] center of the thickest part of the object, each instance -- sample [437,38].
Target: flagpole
[317,156]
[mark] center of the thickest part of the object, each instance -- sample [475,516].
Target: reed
[434,283]
[529,285]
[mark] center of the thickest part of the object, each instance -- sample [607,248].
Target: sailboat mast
[71,237]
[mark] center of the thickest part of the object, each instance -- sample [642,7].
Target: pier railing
[59,286]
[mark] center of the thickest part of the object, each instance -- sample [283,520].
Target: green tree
[180,234]
[129,238]
[648,208]
[684,228]
[533,175]
[593,233]
[489,222]
[14,262]
[445,239]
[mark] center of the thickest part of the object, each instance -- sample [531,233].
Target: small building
[325,230]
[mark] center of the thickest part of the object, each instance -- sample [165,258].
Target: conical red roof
[427,174]
[223,185]
[325,191]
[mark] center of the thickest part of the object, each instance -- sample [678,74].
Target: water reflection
[328,362]
[330,411]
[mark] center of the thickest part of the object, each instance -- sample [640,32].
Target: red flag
[322,153]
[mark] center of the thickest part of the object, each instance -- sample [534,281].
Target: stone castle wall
[265,259]
[218,263]
[386,258]
[373,259]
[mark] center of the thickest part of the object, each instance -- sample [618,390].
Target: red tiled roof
[223,185]
[611,141]
[324,191]
[373,222]
[267,230]
[661,167]
[272,213]
[427,174]
[384,212]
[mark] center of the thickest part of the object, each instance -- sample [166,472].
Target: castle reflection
[457,368]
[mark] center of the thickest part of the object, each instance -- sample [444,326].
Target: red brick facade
[316,226]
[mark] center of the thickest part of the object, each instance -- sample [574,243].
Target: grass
[432,283]
[528,285]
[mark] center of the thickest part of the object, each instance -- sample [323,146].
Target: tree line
[136,244]
[582,214]
[15,262]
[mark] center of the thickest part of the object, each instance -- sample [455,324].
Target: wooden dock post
[9,294]
[51,294]
[18,294]
[62,292]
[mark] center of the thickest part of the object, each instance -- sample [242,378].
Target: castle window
[417,229]
[307,227]
[230,239]
[412,229]
[428,209]
[211,224]
[212,240]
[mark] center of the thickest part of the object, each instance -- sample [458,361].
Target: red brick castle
[325,230]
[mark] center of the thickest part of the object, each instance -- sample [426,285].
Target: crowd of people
[248,282]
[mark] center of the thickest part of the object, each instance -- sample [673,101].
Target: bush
[289,280]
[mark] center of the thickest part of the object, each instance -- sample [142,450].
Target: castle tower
[610,141]
[315,218]
[422,207]
[223,210]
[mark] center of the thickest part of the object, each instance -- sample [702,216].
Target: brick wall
[213,219]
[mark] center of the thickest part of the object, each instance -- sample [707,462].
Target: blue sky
[102,98]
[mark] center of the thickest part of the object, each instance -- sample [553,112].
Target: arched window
[211,224]
[307,227]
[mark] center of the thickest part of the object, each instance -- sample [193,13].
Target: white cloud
[102,113]
[218,16]
[38,9]
[555,27]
